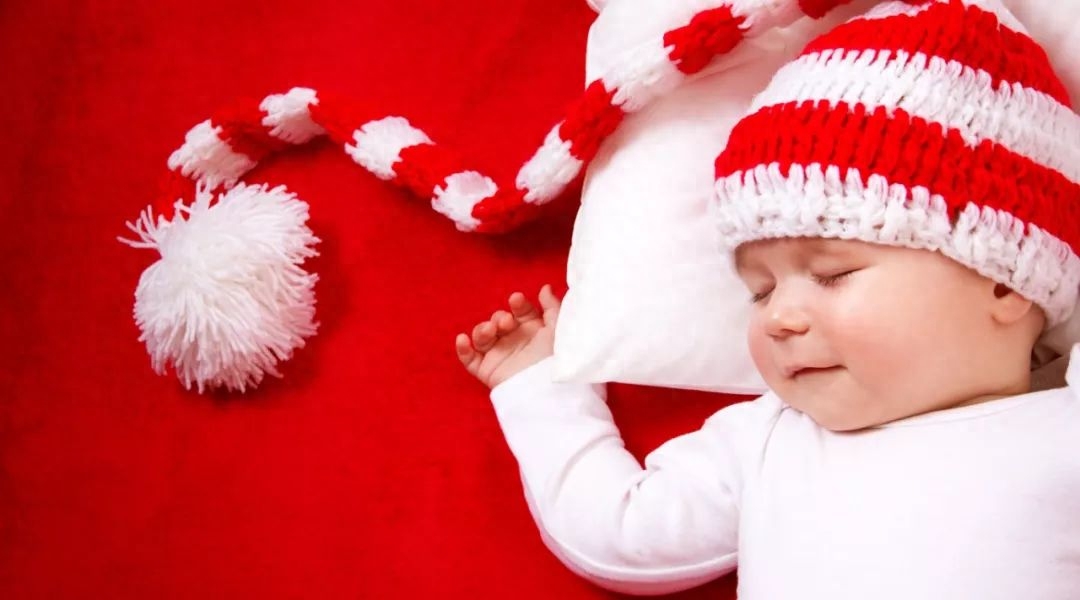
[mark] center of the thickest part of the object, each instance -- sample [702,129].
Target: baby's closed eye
[757,297]
[831,279]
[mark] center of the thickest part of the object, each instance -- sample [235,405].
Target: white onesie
[974,502]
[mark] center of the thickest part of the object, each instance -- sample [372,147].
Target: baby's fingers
[550,304]
[465,353]
[522,309]
[484,336]
[504,322]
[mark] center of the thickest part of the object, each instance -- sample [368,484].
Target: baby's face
[856,335]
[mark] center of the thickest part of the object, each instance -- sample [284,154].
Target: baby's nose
[785,316]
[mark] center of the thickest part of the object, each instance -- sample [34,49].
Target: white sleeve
[670,526]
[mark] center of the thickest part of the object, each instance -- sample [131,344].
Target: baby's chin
[833,401]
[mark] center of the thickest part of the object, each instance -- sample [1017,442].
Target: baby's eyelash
[822,280]
[831,280]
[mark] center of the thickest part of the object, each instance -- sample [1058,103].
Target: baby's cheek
[866,328]
[877,352]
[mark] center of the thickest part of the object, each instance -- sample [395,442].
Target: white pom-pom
[228,300]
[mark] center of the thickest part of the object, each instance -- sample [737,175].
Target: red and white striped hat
[937,125]
[229,298]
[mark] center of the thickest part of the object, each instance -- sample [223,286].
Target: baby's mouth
[798,372]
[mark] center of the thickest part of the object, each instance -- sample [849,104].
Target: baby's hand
[512,341]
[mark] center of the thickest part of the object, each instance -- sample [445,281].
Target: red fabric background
[375,469]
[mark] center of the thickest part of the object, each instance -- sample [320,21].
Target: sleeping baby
[901,203]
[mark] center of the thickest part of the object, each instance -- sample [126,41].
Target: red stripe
[340,116]
[504,211]
[819,8]
[423,167]
[590,120]
[953,32]
[242,129]
[909,151]
[709,33]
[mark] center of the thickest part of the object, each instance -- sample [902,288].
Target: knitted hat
[229,298]
[938,125]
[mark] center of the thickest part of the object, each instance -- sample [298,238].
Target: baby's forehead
[800,249]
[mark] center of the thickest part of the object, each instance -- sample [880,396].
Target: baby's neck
[1020,386]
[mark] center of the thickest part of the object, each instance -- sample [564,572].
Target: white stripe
[288,117]
[1025,121]
[206,156]
[379,144]
[549,171]
[763,203]
[462,192]
[641,76]
[886,10]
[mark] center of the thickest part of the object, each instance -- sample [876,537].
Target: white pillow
[651,301]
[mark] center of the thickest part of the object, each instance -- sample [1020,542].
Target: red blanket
[375,469]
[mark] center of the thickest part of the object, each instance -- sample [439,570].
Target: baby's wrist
[527,371]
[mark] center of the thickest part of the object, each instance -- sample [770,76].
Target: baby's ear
[1010,307]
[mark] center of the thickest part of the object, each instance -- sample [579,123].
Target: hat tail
[230,299]
[220,150]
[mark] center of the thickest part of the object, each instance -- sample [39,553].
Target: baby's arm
[667,527]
